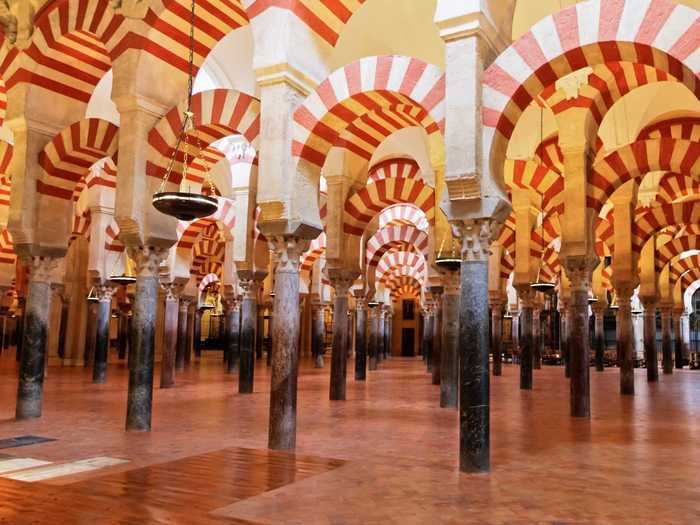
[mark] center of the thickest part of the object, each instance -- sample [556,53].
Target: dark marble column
[140,397]
[360,337]
[318,332]
[33,356]
[496,331]
[650,353]
[349,339]
[372,338]
[18,334]
[181,353]
[474,430]
[233,333]
[564,337]
[599,337]
[515,334]
[341,283]
[388,341]
[197,332]
[259,334]
[123,330]
[427,338]
[678,338]
[537,339]
[104,311]
[170,327]
[285,342]
[90,334]
[381,327]
[436,345]
[449,360]
[63,328]
[249,322]
[579,270]
[666,341]
[526,342]
[625,341]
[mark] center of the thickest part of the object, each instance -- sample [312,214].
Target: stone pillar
[449,366]
[526,342]
[342,284]
[650,353]
[182,346]
[233,333]
[90,334]
[285,342]
[390,333]
[625,342]
[63,327]
[140,397]
[171,326]
[372,340]
[474,431]
[579,270]
[599,336]
[496,331]
[666,342]
[564,337]
[104,311]
[360,337]
[197,333]
[537,338]
[381,330]
[123,330]
[318,332]
[249,321]
[678,338]
[436,293]
[427,338]
[33,355]
[685,334]
[515,334]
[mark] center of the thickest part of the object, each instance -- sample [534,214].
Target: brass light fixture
[450,262]
[186,206]
[127,276]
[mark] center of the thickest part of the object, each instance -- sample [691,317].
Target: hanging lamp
[186,206]
[450,262]
[127,276]
[373,303]
[92,296]
[592,300]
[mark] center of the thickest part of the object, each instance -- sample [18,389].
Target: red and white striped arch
[528,174]
[217,114]
[395,168]
[401,263]
[636,160]
[5,156]
[404,215]
[189,232]
[685,128]
[371,200]
[679,266]
[207,280]
[658,33]
[404,286]
[394,238]
[673,247]
[316,249]
[674,187]
[112,242]
[8,259]
[365,86]
[69,156]
[652,220]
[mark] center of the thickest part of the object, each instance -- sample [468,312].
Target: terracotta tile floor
[636,461]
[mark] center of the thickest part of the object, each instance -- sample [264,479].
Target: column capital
[147,259]
[40,268]
[287,250]
[172,290]
[104,292]
[250,288]
[437,293]
[476,235]
[526,295]
[360,303]
[341,280]
[598,309]
[579,270]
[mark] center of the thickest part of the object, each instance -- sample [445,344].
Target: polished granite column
[285,342]
[341,283]
[104,311]
[579,270]
[599,336]
[381,327]
[249,322]
[90,333]
[436,345]
[496,333]
[170,328]
[318,333]
[123,331]
[360,336]
[427,338]
[372,339]
[140,396]
[515,334]
[182,342]
[36,318]
[526,341]
[625,341]
[388,341]
[666,341]
[677,338]
[233,333]
[650,353]
[474,429]
[197,332]
[449,365]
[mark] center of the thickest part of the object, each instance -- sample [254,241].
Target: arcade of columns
[562,147]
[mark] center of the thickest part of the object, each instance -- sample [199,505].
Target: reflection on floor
[386,455]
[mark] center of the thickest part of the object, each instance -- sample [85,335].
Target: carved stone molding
[579,270]
[476,236]
[147,259]
[287,251]
[250,288]
[104,293]
[40,268]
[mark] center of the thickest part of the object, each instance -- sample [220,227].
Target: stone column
[515,334]
[249,321]
[449,366]
[579,270]
[33,355]
[474,430]
[436,294]
[496,331]
[372,340]
[63,327]
[318,332]
[537,339]
[104,311]
[171,326]
[342,284]
[381,330]
[625,342]
[526,342]
[360,336]
[599,336]
[427,338]
[678,338]
[140,397]
[285,342]
[564,337]
[90,334]
[233,333]
[197,333]
[182,350]
[666,342]
[650,354]
[123,330]
[390,333]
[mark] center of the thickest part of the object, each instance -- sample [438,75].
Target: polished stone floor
[387,455]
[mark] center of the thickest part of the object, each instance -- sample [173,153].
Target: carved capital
[40,268]
[17,20]
[250,288]
[172,290]
[147,259]
[526,295]
[579,270]
[341,281]
[104,293]
[476,236]
[287,251]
